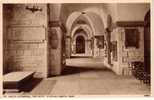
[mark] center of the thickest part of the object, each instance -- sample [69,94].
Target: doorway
[80,44]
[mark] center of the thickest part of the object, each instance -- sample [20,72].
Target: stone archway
[84,43]
[92,20]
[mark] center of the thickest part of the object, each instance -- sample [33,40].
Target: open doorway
[80,44]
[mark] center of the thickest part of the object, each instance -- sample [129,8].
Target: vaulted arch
[85,43]
[90,18]
[86,28]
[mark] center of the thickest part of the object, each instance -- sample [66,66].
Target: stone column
[92,46]
[55,49]
[86,47]
[68,46]
[95,47]
[89,50]
[56,40]
[108,34]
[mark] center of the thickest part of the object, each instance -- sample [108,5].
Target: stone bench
[15,81]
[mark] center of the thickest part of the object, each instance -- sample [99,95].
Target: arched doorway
[80,44]
[86,32]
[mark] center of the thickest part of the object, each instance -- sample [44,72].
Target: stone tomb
[14,81]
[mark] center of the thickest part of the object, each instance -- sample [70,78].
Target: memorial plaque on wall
[26,33]
[131,38]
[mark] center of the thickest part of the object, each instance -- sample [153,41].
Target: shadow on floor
[31,84]
[74,70]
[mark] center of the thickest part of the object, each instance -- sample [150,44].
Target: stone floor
[94,80]
[97,82]
[86,62]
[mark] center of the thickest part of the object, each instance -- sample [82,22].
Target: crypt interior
[76,49]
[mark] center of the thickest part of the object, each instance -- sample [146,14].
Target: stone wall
[132,12]
[25,39]
[126,55]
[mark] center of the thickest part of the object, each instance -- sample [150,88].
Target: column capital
[57,23]
[98,36]
[67,36]
[88,40]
